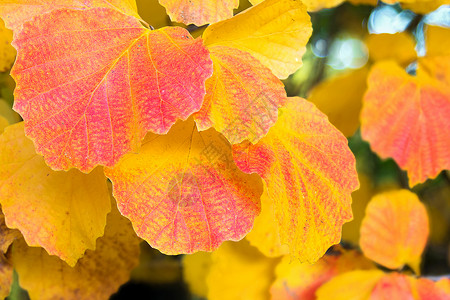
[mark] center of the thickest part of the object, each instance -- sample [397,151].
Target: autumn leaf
[355,285]
[295,280]
[399,47]
[3,124]
[265,233]
[63,212]
[91,83]
[344,106]
[309,173]
[424,7]
[393,286]
[195,269]
[394,231]
[312,5]
[275,32]
[242,96]
[183,193]
[16,12]
[7,52]
[7,237]
[428,289]
[199,12]
[240,271]
[406,118]
[97,275]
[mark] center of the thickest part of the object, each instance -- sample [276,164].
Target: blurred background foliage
[346,40]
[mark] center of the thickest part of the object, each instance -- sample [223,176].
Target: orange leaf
[309,172]
[91,83]
[295,280]
[16,12]
[430,290]
[63,212]
[183,193]
[393,286]
[394,231]
[242,96]
[406,118]
[199,12]
[97,275]
[275,32]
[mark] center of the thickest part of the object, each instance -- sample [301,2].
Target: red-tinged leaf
[91,83]
[394,230]
[310,175]
[406,118]
[393,286]
[242,96]
[16,12]
[199,12]
[295,280]
[183,193]
[430,290]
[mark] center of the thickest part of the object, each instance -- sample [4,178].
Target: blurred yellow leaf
[275,32]
[394,231]
[240,271]
[355,285]
[312,5]
[195,270]
[6,112]
[153,12]
[7,52]
[360,199]
[63,212]
[399,47]
[363,2]
[340,98]
[424,7]
[3,124]
[97,275]
[437,40]
[295,280]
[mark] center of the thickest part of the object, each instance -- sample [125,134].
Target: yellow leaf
[6,276]
[312,5]
[310,174]
[399,47]
[199,12]
[394,231]
[275,32]
[355,285]
[152,11]
[360,199]
[195,270]
[97,275]
[63,212]
[3,124]
[424,7]
[240,271]
[363,2]
[265,234]
[343,104]
[437,40]
[7,235]
[7,52]
[295,280]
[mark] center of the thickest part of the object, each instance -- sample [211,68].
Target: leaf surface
[309,172]
[183,193]
[96,276]
[195,270]
[242,96]
[240,271]
[275,32]
[63,212]
[16,12]
[355,285]
[399,47]
[406,117]
[344,105]
[199,12]
[312,5]
[394,231]
[295,280]
[91,83]
[437,40]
